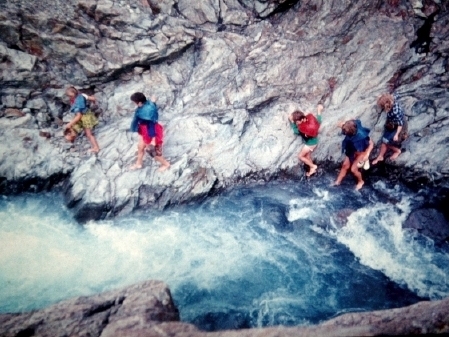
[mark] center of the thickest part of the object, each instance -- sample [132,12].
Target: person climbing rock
[357,147]
[307,127]
[145,122]
[395,127]
[84,118]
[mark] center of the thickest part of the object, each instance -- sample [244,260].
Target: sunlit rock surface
[226,74]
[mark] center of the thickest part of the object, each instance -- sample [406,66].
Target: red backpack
[310,127]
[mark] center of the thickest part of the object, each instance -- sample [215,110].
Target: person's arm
[293,125]
[398,131]
[91,98]
[319,109]
[75,120]
[399,114]
[134,124]
[294,128]
[368,150]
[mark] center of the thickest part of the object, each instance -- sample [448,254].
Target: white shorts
[310,148]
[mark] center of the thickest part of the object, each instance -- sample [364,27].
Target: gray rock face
[226,73]
[147,309]
[108,314]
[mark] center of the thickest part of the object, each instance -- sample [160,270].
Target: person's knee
[355,169]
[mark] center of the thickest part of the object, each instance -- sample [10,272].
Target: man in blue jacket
[357,147]
[145,122]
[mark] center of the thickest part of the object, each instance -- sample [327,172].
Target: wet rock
[341,217]
[30,159]
[147,309]
[108,314]
[226,74]
[429,222]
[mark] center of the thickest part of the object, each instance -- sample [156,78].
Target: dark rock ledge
[147,309]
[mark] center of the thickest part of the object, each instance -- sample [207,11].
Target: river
[285,253]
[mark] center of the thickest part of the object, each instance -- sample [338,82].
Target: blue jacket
[148,114]
[79,105]
[357,143]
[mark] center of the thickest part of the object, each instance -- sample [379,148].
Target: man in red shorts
[151,132]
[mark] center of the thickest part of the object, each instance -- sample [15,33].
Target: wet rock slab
[147,309]
[429,222]
[226,74]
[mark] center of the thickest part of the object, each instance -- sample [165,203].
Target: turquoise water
[282,253]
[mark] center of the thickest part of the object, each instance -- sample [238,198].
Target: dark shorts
[352,151]
[389,132]
[387,138]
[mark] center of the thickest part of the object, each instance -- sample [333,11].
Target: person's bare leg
[140,152]
[380,157]
[355,171]
[396,152]
[312,170]
[343,171]
[165,165]
[95,148]
[305,157]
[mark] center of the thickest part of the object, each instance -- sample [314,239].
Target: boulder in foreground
[147,309]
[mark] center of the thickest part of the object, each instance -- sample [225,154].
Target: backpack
[310,127]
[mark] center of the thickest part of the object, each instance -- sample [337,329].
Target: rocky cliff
[147,309]
[226,74]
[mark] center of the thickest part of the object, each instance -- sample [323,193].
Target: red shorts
[143,131]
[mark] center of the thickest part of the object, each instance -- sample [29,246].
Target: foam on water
[375,235]
[253,257]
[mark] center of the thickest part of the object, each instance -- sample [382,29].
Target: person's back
[309,128]
[148,112]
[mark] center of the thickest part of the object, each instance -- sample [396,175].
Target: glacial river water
[283,253]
